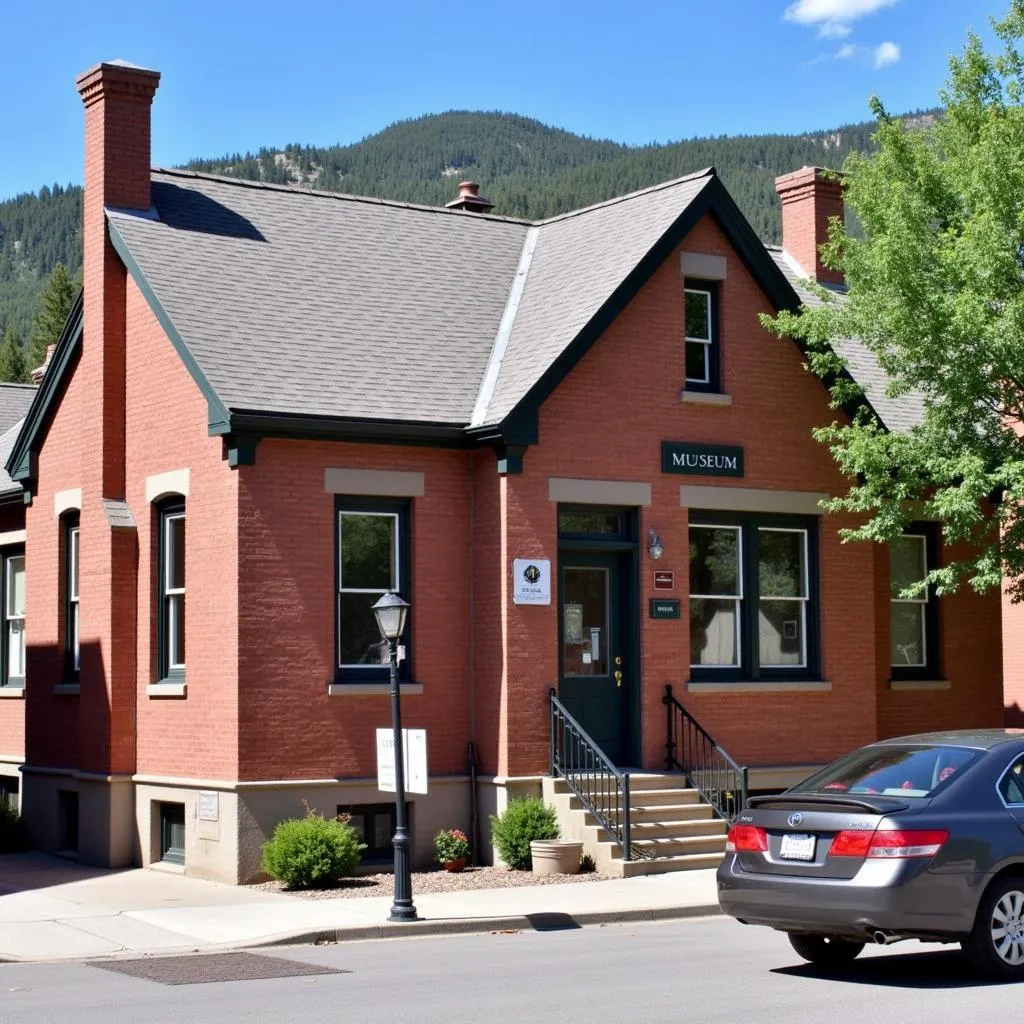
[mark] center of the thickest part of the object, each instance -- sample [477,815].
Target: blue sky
[237,76]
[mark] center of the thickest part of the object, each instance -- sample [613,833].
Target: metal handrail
[602,788]
[692,750]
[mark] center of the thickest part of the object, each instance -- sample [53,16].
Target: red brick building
[569,444]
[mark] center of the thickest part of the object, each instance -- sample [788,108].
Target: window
[373,558]
[913,632]
[171,611]
[172,833]
[375,826]
[13,641]
[753,607]
[71,642]
[67,821]
[701,356]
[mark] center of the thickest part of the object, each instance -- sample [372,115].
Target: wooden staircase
[672,828]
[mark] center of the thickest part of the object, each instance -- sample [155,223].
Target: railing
[601,787]
[709,769]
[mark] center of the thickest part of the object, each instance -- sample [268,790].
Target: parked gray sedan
[920,837]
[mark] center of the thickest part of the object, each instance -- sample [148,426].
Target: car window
[1011,785]
[910,771]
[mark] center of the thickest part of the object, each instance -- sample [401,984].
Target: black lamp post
[391,612]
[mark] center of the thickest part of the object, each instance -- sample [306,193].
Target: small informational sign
[415,754]
[664,608]
[664,579]
[209,805]
[701,459]
[531,581]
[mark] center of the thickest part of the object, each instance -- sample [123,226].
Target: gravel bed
[430,881]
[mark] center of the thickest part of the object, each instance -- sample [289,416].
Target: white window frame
[11,617]
[805,586]
[172,624]
[921,602]
[707,342]
[72,583]
[737,599]
[396,570]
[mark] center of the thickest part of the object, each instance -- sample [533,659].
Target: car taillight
[746,839]
[888,843]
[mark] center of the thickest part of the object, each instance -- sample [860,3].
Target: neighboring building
[15,400]
[273,405]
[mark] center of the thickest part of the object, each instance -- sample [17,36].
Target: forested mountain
[524,167]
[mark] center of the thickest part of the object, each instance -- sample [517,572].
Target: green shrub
[522,821]
[312,852]
[12,831]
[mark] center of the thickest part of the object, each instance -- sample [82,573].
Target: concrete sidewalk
[51,909]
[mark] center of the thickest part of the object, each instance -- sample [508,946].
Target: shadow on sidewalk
[23,872]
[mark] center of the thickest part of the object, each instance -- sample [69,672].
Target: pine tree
[12,359]
[57,300]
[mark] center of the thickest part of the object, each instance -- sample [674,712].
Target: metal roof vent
[470,199]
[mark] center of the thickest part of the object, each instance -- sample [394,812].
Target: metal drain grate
[205,968]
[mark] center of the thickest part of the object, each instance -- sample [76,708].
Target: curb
[540,922]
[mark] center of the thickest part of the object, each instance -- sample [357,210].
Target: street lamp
[391,612]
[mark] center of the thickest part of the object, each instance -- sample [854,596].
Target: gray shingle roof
[14,402]
[327,305]
[320,304]
[896,413]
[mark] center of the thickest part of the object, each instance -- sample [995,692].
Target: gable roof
[15,400]
[317,314]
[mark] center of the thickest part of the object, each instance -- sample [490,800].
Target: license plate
[797,848]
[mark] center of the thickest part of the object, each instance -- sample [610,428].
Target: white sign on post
[531,580]
[414,742]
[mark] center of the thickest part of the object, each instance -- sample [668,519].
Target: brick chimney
[470,199]
[809,201]
[117,98]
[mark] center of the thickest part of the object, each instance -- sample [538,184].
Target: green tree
[12,359]
[56,302]
[936,292]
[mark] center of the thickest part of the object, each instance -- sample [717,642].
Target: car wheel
[828,950]
[996,943]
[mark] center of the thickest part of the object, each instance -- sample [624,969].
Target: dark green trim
[219,418]
[335,428]
[14,682]
[510,458]
[932,668]
[68,522]
[22,463]
[240,450]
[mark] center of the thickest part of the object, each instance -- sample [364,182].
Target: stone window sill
[166,690]
[705,398]
[759,686]
[67,689]
[371,689]
[920,684]
[12,692]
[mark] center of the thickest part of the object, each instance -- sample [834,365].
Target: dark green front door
[596,654]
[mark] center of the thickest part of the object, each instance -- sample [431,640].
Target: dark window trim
[932,668]
[403,508]
[6,554]
[374,854]
[627,535]
[714,382]
[749,669]
[70,521]
[165,509]
[171,815]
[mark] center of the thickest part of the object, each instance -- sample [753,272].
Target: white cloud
[833,17]
[885,54]
[846,52]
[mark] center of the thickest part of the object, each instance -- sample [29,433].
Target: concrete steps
[670,825]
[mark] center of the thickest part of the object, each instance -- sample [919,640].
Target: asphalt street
[709,970]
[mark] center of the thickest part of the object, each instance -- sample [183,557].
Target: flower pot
[556,856]
[454,865]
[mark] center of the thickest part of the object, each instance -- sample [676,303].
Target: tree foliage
[936,291]
[12,359]
[55,305]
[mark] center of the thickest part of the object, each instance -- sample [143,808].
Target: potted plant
[451,848]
